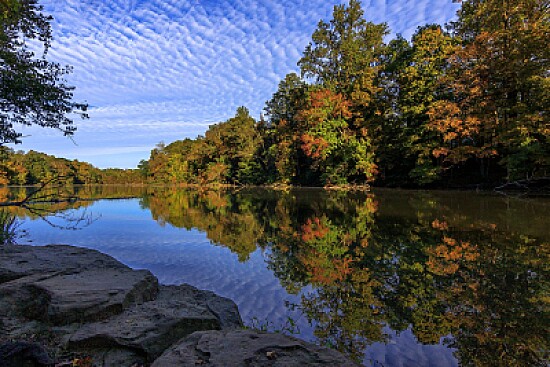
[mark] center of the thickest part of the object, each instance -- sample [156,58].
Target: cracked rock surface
[78,302]
[154,326]
[82,301]
[248,348]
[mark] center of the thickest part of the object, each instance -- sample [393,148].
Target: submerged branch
[36,202]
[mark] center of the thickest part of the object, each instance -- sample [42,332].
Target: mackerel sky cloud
[163,70]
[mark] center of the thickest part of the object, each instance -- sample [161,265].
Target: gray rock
[92,295]
[64,284]
[19,261]
[248,348]
[72,294]
[86,302]
[153,326]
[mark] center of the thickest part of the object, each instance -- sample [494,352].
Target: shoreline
[541,185]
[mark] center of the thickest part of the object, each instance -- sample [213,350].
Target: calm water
[392,278]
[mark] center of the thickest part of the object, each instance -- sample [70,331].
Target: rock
[21,354]
[85,302]
[19,261]
[81,296]
[82,303]
[248,348]
[64,284]
[153,326]
[92,295]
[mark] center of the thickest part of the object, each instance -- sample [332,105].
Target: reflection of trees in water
[227,220]
[56,202]
[77,192]
[433,263]
[421,263]
[495,295]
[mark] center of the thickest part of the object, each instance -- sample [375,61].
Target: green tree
[419,89]
[336,153]
[283,154]
[286,101]
[345,57]
[236,142]
[388,133]
[343,52]
[32,90]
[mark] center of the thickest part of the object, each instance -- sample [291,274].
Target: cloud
[159,68]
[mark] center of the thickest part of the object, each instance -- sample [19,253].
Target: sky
[164,70]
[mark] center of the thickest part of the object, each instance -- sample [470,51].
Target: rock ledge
[80,302]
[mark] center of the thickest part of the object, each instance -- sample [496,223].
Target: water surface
[391,278]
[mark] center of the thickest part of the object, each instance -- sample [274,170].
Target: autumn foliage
[458,105]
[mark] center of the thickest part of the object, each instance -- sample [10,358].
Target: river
[391,277]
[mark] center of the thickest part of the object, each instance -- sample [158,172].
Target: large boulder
[248,348]
[68,285]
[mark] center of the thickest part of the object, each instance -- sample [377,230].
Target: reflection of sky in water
[127,232]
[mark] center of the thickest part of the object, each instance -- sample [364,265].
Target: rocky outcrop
[151,327]
[80,302]
[88,303]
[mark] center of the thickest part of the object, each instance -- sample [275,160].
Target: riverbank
[534,185]
[63,303]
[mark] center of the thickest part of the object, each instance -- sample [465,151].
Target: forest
[34,168]
[458,105]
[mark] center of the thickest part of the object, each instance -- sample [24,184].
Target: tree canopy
[33,90]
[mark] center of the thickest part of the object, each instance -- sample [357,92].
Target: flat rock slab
[19,261]
[96,294]
[151,327]
[69,285]
[248,348]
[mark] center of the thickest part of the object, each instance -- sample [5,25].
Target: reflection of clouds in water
[164,69]
[405,350]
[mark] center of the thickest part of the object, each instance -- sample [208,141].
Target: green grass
[10,229]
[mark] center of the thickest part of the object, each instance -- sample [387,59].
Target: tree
[419,91]
[236,141]
[336,153]
[500,89]
[283,153]
[343,52]
[286,102]
[32,90]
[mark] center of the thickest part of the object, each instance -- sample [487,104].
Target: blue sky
[163,70]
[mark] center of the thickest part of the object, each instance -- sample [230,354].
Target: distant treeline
[32,168]
[465,104]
